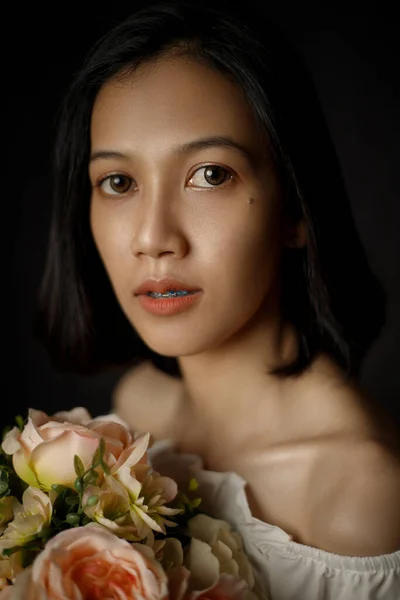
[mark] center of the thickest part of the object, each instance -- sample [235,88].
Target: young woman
[202,234]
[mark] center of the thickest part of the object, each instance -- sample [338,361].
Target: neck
[229,385]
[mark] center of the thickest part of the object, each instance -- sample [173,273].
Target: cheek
[111,237]
[249,247]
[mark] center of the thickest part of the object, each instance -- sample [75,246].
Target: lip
[163,285]
[169,306]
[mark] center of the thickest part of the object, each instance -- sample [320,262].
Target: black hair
[329,293]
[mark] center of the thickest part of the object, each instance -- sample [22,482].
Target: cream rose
[215,550]
[30,518]
[6,511]
[43,453]
[91,562]
[9,569]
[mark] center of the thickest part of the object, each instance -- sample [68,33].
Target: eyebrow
[193,146]
[215,142]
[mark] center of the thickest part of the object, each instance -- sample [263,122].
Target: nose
[157,231]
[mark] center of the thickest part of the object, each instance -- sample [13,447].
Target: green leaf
[20,422]
[33,545]
[44,533]
[92,500]
[4,432]
[105,467]
[90,477]
[72,519]
[193,485]
[3,475]
[26,558]
[9,551]
[3,487]
[78,485]
[96,459]
[56,521]
[72,500]
[86,520]
[195,503]
[78,466]
[102,448]
[58,488]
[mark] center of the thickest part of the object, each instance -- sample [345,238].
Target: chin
[173,348]
[177,342]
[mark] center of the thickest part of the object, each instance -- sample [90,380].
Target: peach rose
[43,453]
[91,562]
[227,587]
[5,593]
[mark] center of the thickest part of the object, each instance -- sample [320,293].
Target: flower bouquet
[84,515]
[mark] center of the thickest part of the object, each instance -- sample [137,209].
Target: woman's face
[183,187]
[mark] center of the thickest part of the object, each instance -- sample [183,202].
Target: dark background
[353,57]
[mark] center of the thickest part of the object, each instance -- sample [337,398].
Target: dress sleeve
[283,569]
[297,572]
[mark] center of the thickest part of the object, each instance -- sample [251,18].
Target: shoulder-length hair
[329,293]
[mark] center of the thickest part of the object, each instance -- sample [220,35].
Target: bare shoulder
[354,502]
[354,493]
[147,399]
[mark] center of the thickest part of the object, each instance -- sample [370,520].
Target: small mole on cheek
[250,200]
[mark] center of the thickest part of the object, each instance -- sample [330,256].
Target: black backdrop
[353,58]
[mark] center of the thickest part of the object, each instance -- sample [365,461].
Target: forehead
[171,100]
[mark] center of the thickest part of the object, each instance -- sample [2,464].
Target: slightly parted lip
[163,285]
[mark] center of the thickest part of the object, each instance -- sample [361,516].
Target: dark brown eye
[215,175]
[120,183]
[116,184]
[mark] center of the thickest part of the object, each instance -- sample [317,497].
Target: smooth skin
[183,186]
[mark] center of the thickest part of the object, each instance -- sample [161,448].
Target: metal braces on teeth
[171,294]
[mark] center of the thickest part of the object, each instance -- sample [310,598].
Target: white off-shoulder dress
[284,569]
